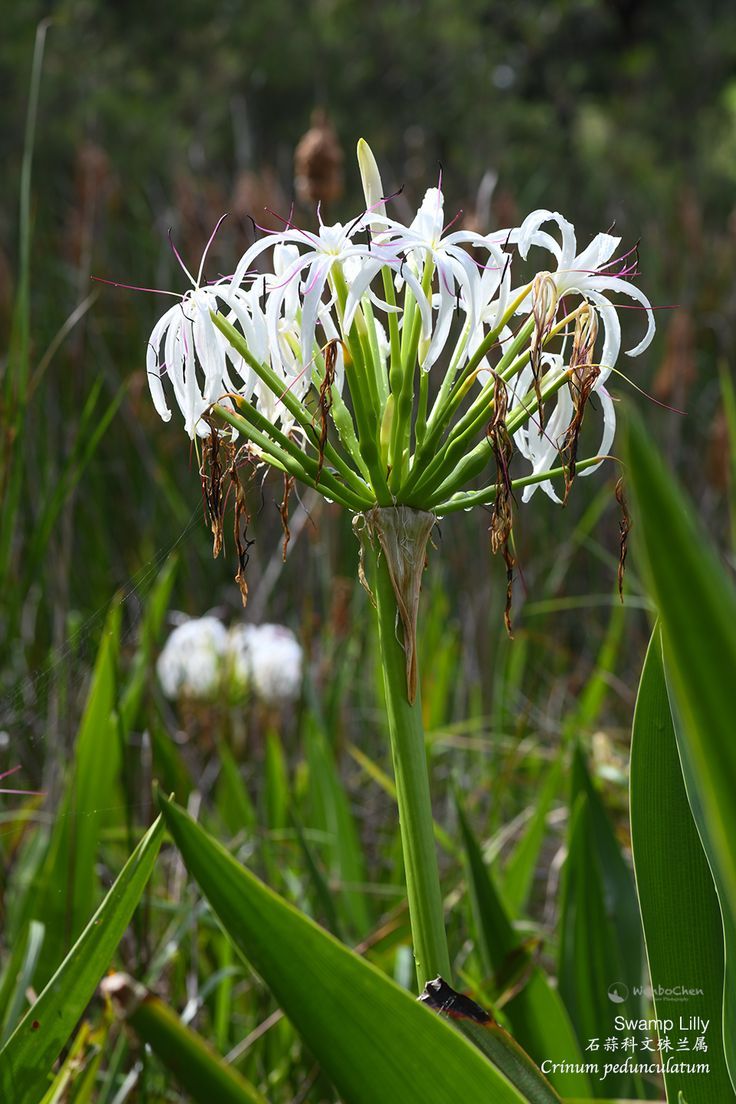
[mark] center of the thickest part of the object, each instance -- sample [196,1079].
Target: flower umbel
[372,360]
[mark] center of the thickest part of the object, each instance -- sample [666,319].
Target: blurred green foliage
[153,117]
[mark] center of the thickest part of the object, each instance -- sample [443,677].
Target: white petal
[442,326]
[154,368]
[358,285]
[609,428]
[613,283]
[600,250]
[310,307]
[612,328]
[565,254]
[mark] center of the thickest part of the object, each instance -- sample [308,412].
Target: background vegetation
[151,118]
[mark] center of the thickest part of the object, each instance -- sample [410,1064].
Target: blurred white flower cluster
[323,362]
[203,661]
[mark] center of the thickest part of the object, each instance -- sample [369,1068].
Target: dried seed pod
[318,162]
[583,376]
[325,400]
[241,520]
[544,309]
[502,512]
[289,481]
[624,528]
[211,476]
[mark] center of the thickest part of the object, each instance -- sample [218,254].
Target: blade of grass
[195,1065]
[535,1013]
[17,372]
[331,813]
[619,892]
[18,977]
[589,955]
[517,874]
[157,606]
[67,886]
[28,1055]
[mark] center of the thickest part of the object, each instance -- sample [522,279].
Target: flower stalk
[408,750]
[328,366]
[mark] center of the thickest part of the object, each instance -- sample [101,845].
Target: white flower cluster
[267,658]
[388,293]
[203,661]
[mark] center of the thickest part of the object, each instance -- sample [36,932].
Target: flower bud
[371,178]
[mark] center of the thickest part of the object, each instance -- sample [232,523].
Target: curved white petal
[600,250]
[565,253]
[310,308]
[612,333]
[154,368]
[614,283]
[609,428]
[358,285]
[543,448]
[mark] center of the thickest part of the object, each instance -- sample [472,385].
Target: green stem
[486,495]
[426,912]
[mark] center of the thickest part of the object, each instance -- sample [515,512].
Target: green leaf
[195,1065]
[28,1055]
[18,977]
[590,961]
[679,906]
[75,1080]
[619,891]
[233,801]
[696,600]
[372,1039]
[332,814]
[157,606]
[517,874]
[536,1014]
[67,886]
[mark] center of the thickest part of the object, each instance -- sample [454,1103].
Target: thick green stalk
[412,789]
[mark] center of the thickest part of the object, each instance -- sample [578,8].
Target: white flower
[192,661]
[544,449]
[587,273]
[330,246]
[268,659]
[188,350]
[458,273]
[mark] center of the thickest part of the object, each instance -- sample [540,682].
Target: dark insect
[442,998]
